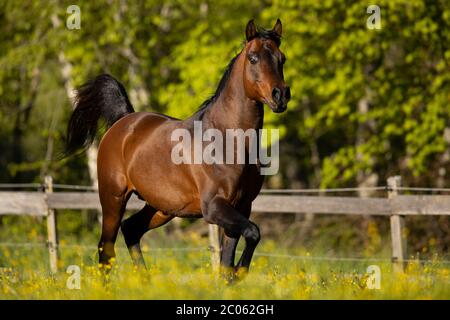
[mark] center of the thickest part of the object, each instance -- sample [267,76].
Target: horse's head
[263,67]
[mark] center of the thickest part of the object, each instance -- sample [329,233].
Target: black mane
[262,33]
[223,81]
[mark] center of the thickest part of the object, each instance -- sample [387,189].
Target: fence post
[397,228]
[214,243]
[52,235]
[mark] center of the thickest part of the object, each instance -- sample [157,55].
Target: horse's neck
[233,109]
[235,114]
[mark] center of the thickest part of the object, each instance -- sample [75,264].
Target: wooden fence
[395,206]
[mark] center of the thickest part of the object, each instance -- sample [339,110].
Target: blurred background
[366,104]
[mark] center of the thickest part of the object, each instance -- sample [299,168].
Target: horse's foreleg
[246,257]
[218,211]
[227,255]
[136,226]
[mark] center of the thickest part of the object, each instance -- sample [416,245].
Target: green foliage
[400,72]
[366,104]
[364,101]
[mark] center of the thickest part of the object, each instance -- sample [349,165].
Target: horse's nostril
[276,95]
[287,93]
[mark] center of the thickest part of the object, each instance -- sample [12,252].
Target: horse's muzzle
[280,97]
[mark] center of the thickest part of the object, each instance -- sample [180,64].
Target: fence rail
[396,206]
[36,204]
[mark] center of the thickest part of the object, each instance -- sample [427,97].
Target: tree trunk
[66,73]
[363,179]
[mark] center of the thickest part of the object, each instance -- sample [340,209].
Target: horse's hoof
[240,273]
[228,275]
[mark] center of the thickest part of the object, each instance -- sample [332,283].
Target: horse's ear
[278,28]
[250,30]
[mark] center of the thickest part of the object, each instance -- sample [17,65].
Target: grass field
[184,271]
[177,274]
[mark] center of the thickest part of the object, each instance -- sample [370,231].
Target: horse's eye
[253,58]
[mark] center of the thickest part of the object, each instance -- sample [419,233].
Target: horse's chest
[248,185]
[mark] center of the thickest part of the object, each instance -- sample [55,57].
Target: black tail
[102,97]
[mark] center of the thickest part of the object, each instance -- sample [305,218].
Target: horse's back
[116,146]
[132,125]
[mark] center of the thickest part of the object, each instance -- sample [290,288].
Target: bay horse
[134,155]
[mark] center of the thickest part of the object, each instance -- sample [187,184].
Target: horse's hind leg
[113,207]
[137,225]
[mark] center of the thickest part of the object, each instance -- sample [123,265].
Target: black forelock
[267,34]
